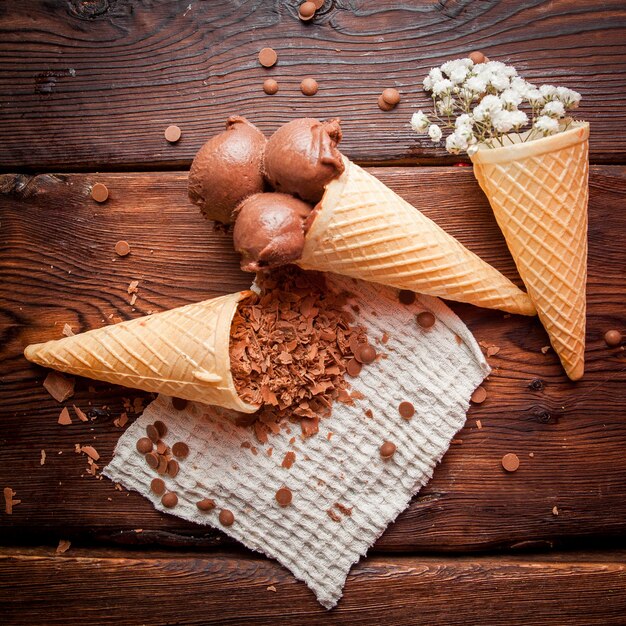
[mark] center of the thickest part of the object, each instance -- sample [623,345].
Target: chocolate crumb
[271,588]
[67,330]
[333,515]
[555,510]
[80,414]
[369,413]
[479,424]
[43,457]
[344,509]
[545,349]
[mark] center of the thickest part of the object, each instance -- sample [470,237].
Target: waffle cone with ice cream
[538,191]
[183,352]
[359,227]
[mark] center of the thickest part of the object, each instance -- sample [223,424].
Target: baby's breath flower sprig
[480,103]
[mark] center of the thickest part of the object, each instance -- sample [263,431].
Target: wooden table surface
[86,90]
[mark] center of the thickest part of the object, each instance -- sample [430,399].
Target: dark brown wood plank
[38,587]
[92,85]
[576,431]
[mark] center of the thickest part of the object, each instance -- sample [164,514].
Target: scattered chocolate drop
[426,319]
[365,353]
[510,462]
[267,57]
[306,11]
[613,338]
[284,496]
[157,486]
[479,395]
[309,86]
[180,450]
[477,57]
[152,433]
[206,504]
[169,500]
[152,459]
[172,134]
[161,428]
[144,445]
[406,410]
[122,248]
[387,450]
[226,517]
[353,368]
[99,192]
[270,86]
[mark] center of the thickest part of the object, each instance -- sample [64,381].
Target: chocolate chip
[122,248]
[406,410]
[267,57]
[425,319]
[477,57]
[152,432]
[391,96]
[270,86]
[179,403]
[353,368]
[479,395]
[172,134]
[161,428]
[510,462]
[172,468]
[144,445]
[306,11]
[206,505]
[365,354]
[99,192]
[180,450]
[157,486]
[226,517]
[387,450]
[384,106]
[613,338]
[406,296]
[152,459]
[169,500]
[283,496]
[162,466]
[309,87]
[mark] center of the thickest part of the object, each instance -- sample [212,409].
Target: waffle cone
[183,352]
[365,230]
[538,192]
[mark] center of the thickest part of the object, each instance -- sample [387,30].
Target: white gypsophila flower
[501,121]
[476,84]
[445,106]
[434,132]
[458,75]
[419,122]
[568,97]
[547,125]
[499,81]
[455,143]
[518,118]
[427,83]
[491,103]
[520,86]
[534,97]
[435,74]
[467,94]
[509,71]
[510,98]
[547,91]
[553,109]
[442,86]
[463,121]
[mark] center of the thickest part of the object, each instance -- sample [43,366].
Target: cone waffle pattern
[540,203]
[367,231]
[183,352]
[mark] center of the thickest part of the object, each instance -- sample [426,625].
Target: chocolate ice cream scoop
[227,169]
[269,230]
[301,157]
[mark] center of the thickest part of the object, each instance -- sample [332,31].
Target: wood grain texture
[58,266]
[91,86]
[38,587]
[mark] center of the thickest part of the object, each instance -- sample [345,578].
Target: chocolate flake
[60,387]
[289,460]
[64,417]
[64,546]
[80,414]
[9,502]
[333,515]
[43,457]
[343,508]
[67,330]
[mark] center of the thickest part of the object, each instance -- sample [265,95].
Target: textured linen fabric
[435,369]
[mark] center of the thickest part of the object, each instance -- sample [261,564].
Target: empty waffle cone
[365,230]
[183,353]
[538,191]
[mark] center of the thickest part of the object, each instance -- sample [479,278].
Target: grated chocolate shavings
[333,515]
[289,350]
[121,421]
[346,510]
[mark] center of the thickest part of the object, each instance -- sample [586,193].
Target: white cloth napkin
[435,369]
